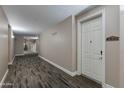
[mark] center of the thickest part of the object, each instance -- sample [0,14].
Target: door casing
[79,57]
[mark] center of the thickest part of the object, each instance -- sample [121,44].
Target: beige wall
[112,48]
[19,45]
[56,44]
[3,44]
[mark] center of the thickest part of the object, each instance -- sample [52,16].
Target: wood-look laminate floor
[30,71]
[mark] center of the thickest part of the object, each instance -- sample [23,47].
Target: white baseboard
[59,67]
[2,81]
[107,86]
[12,60]
[19,55]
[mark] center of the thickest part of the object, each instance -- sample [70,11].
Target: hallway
[58,46]
[30,71]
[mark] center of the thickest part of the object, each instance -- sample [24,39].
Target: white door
[92,49]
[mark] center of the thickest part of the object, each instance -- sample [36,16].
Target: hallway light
[19,29]
[13,36]
[31,37]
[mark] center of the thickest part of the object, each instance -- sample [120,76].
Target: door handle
[101,52]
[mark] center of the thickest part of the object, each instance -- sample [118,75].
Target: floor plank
[30,71]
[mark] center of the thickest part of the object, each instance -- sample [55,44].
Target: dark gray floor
[30,71]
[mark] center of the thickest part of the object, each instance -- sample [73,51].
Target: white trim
[87,9]
[93,15]
[107,85]
[19,55]
[104,43]
[2,81]
[59,67]
[73,42]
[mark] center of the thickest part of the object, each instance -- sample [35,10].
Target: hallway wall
[3,43]
[113,47]
[56,44]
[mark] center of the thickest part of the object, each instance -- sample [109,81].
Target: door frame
[79,43]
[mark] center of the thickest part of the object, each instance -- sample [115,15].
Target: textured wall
[112,48]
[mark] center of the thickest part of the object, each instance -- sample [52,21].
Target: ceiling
[33,19]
